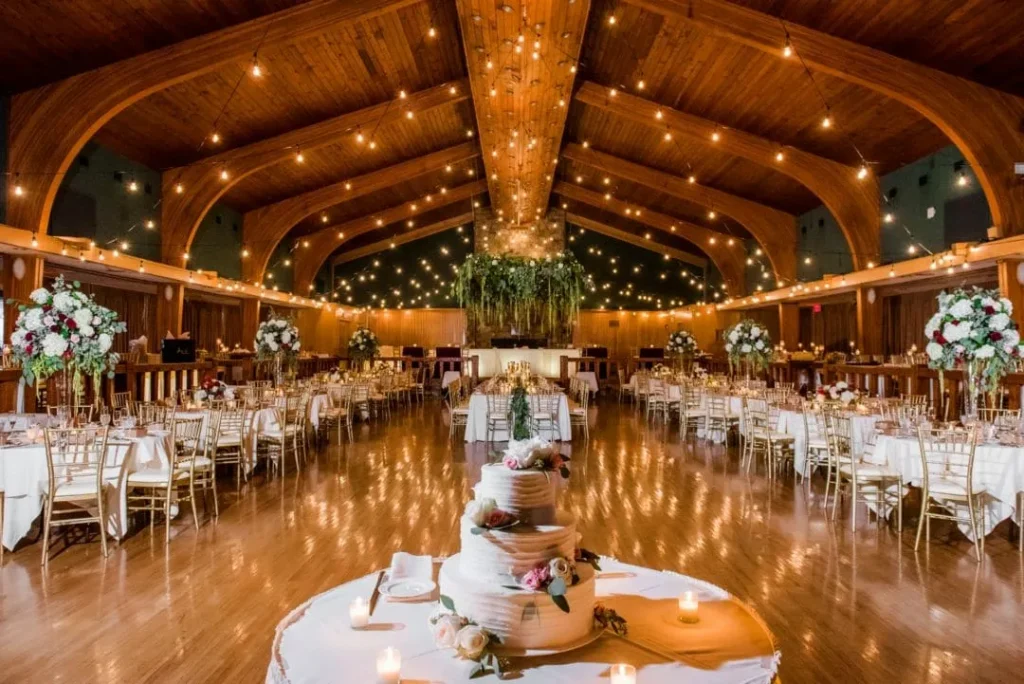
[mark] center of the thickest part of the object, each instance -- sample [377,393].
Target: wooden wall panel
[427,328]
[209,321]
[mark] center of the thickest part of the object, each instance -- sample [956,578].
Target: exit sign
[816,308]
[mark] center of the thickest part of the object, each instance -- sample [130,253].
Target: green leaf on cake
[561,602]
[564,470]
[557,587]
[477,670]
[476,530]
[447,602]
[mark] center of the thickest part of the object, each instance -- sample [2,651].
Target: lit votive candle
[389,666]
[688,607]
[623,674]
[359,613]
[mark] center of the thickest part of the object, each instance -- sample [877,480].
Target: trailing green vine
[523,291]
[520,406]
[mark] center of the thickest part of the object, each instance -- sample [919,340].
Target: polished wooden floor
[844,607]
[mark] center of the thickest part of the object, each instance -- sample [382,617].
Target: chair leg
[921,519]
[213,486]
[47,514]
[974,526]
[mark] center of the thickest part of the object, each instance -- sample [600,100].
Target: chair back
[947,455]
[837,436]
[75,454]
[187,437]
[150,413]
[121,401]
[498,403]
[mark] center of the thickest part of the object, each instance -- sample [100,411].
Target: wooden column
[170,303]
[250,322]
[21,274]
[1011,288]
[789,325]
[869,321]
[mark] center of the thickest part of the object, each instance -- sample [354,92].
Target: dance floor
[845,607]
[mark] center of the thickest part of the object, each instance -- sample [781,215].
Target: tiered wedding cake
[520,581]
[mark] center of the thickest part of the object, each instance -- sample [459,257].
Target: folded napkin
[407,566]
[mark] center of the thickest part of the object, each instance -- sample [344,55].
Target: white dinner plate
[405,589]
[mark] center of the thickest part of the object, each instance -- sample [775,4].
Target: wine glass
[105,417]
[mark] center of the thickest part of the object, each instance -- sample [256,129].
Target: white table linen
[730,644]
[24,478]
[791,422]
[1000,469]
[476,427]
[449,377]
[589,377]
[545,362]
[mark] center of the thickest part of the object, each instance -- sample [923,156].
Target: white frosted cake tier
[527,494]
[499,553]
[521,618]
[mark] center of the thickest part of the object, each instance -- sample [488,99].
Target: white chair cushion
[868,470]
[83,488]
[939,486]
[461,411]
[780,437]
[152,477]
[817,444]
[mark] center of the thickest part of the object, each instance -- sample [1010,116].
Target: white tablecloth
[449,377]
[791,422]
[1000,469]
[730,644]
[24,477]
[589,377]
[476,427]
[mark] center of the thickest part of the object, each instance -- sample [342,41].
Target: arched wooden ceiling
[157,100]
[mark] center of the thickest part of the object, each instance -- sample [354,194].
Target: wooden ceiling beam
[317,248]
[520,100]
[403,238]
[636,240]
[775,230]
[203,183]
[728,259]
[265,227]
[984,123]
[853,202]
[51,124]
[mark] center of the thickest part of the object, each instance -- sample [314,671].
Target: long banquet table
[729,645]
[545,362]
[476,426]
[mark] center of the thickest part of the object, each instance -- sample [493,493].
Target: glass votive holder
[359,613]
[389,666]
[688,606]
[622,674]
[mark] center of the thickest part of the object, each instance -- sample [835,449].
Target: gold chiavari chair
[122,401]
[655,399]
[869,483]
[227,440]
[260,386]
[544,415]
[418,383]
[719,419]
[578,416]
[624,388]
[764,438]
[498,415]
[378,401]
[458,414]
[947,483]
[641,385]
[693,413]
[80,414]
[150,413]
[274,442]
[154,491]
[338,412]
[786,387]
[1000,417]
[75,463]
[815,443]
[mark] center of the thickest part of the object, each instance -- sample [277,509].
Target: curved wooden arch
[728,260]
[775,230]
[309,260]
[403,238]
[51,124]
[853,203]
[264,228]
[182,213]
[985,124]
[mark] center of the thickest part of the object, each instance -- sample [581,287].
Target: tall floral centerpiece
[747,343]
[363,345]
[683,346]
[65,332]
[973,330]
[278,339]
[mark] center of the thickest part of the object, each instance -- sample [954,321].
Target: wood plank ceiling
[523,60]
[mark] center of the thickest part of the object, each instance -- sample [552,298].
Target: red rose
[28,336]
[71,324]
[939,338]
[28,350]
[995,336]
[496,518]
[990,310]
[54,328]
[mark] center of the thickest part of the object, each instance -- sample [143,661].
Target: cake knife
[376,592]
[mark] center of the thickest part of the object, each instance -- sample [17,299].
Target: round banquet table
[729,645]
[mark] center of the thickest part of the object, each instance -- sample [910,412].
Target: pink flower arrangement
[537,579]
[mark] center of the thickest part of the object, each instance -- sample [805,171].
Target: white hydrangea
[54,345]
[932,325]
[1007,305]
[728,347]
[934,351]
[745,349]
[33,319]
[87,331]
[961,309]
[272,344]
[64,302]
[999,321]
[17,338]
[1011,337]
[104,341]
[759,345]
[82,317]
[286,336]
[755,331]
[986,351]
[953,332]
[40,295]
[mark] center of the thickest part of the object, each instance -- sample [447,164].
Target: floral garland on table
[65,330]
[213,388]
[536,453]
[840,392]
[277,335]
[682,343]
[363,344]
[974,325]
[520,407]
[748,341]
[470,641]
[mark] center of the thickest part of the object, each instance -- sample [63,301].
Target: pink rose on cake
[538,578]
[485,515]
[536,453]
[471,641]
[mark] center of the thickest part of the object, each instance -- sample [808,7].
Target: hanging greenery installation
[521,291]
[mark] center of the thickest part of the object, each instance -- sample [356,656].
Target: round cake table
[729,644]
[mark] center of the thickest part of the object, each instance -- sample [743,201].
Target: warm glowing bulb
[712,214]
[862,172]
[132,186]
[715,137]
[299,157]
[215,138]
[359,138]
[224,174]
[888,218]
[692,179]
[779,156]
[432,32]
[256,71]
[668,136]
[611,20]
[962,180]
[401,95]
[787,50]
[373,144]
[640,85]
[489,65]
[18,190]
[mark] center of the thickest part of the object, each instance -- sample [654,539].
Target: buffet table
[729,645]
[545,362]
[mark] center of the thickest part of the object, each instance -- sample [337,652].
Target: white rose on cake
[480,510]
[471,641]
[445,630]
[560,567]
